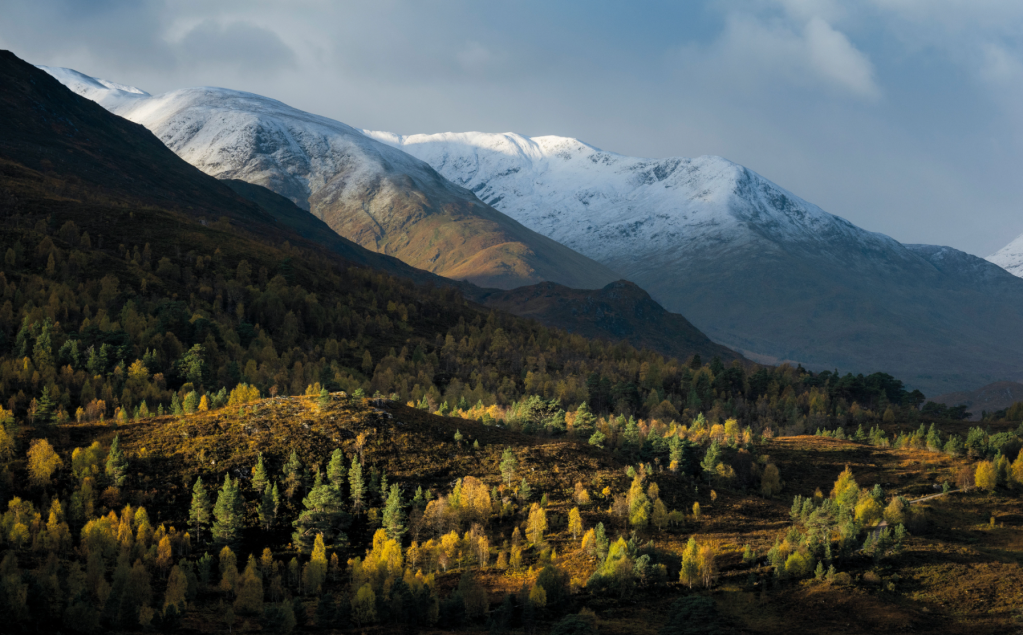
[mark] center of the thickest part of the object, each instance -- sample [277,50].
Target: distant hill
[997,396]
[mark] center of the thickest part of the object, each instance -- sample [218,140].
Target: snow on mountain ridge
[612,207]
[1010,257]
[108,94]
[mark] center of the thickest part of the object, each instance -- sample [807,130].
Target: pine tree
[336,472]
[117,464]
[357,488]
[323,515]
[259,476]
[524,491]
[267,507]
[711,458]
[229,513]
[394,517]
[508,466]
[45,407]
[292,475]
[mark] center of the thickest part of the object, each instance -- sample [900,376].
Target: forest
[208,441]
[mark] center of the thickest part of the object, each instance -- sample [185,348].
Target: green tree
[268,506]
[199,512]
[228,513]
[336,472]
[117,464]
[323,514]
[259,476]
[711,458]
[292,475]
[394,517]
[584,423]
[357,487]
[508,466]
[524,490]
[192,366]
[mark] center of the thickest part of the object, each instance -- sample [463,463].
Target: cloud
[836,60]
[761,53]
[245,47]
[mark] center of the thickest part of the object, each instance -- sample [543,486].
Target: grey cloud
[242,46]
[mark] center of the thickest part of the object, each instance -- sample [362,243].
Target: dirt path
[929,497]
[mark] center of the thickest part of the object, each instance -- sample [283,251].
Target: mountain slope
[1010,257]
[619,311]
[380,198]
[993,397]
[750,264]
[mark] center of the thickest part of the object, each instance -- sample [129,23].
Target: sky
[902,116]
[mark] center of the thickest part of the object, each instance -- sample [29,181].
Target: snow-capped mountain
[378,196]
[1010,257]
[619,209]
[748,262]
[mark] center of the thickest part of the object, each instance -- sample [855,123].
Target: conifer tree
[199,512]
[267,507]
[292,475]
[394,517]
[228,514]
[323,515]
[508,466]
[259,476]
[357,488]
[117,464]
[336,472]
[524,491]
[711,458]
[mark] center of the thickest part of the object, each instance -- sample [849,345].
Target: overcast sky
[903,116]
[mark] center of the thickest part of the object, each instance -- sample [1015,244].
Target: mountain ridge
[377,196]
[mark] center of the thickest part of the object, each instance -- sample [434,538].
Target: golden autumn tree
[42,462]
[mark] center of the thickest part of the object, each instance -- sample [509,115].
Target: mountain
[115,161]
[369,192]
[1010,257]
[752,265]
[991,398]
[619,311]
